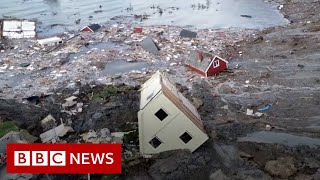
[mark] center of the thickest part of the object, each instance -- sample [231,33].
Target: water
[280,138]
[123,66]
[57,16]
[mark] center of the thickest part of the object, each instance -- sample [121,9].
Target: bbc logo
[39,158]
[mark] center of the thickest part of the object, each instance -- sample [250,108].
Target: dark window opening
[161,114]
[185,137]
[155,142]
[216,63]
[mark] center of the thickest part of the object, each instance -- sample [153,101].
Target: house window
[185,137]
[216,63]
[161,114]
[155,142]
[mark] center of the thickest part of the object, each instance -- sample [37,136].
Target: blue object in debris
[265,108]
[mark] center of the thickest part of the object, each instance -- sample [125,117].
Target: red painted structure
[206,64]
[137,30]
[86,29]
[91,28]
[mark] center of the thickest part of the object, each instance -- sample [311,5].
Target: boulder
[197,102]
[282,167]
[218,175]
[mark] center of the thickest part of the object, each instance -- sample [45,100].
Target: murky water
[123,66]
[280,138]
[57,16]
[84,50]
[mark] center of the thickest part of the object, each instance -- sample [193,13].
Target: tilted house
[167,120]
[91,28]
[206,64]
[52,41]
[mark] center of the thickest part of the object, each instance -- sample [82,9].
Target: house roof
[94,27]
[49,40]
[194,60]
[160,83]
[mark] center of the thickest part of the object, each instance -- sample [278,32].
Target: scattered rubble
[13,137]
[53,135]
[104,136]
[48,123]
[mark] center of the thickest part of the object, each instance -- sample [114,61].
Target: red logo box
[64,158]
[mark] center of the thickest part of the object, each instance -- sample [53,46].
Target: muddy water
[57,16]
[123,66]
[280,138]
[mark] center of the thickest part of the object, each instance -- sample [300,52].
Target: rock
[251,174]
[72,98]
[197,102]
[218,175]
[25,116]
[282,167]
[268,127]
[105,132]
[316,176]
[303,177]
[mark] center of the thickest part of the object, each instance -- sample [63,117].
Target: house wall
[212,71]
[169,130]
[196,70]
[149,124]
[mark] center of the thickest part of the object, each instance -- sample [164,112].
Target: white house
[15,29]
[167,120]
[52,41]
